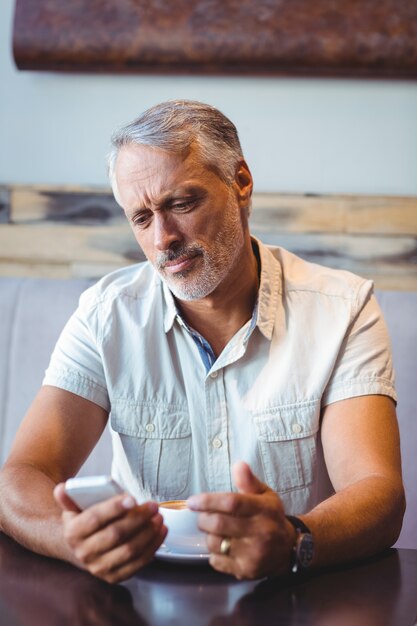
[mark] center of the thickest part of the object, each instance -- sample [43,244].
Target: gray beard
[217,263]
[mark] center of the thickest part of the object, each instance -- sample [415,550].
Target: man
[241,377]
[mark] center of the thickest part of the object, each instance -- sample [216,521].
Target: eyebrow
[171,196]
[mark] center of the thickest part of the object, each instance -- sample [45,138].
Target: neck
[221,314]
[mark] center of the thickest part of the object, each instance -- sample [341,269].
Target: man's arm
[361,446]
[112,539]
[55,438]
[362,453]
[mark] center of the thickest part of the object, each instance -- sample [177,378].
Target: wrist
[303,545]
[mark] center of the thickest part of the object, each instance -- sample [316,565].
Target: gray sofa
[33,311]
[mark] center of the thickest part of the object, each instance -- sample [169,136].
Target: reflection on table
[35,590]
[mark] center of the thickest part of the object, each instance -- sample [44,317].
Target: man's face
[189,223]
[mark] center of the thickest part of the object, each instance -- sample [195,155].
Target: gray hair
[177,125]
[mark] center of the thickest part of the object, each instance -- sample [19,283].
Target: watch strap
[302,552]
[298,524]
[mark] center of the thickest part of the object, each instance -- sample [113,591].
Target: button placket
[217,433]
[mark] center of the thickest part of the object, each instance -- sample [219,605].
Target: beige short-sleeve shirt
[176,427]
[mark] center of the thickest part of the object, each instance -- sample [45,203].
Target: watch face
[305,550]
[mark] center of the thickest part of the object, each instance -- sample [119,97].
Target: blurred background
[308,141]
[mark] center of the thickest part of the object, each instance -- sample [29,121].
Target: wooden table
[38,591]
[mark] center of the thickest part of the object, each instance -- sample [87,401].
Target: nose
[166,231]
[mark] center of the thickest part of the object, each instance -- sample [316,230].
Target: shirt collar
[171,311]
[268,295]
[270,290]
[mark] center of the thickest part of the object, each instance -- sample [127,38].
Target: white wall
[299,135]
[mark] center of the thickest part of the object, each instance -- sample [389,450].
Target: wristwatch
[303,550]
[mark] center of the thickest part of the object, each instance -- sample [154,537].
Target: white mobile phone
[88,490]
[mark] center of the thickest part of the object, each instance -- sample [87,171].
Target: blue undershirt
[204,348]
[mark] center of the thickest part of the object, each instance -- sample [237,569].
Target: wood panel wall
[64,232]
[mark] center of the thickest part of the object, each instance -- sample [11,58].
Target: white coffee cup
[183,536]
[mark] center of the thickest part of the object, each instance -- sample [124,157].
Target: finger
[64,500]
[130,568]
[130,556]
[119,533]
[214,544]
[100,515]
[239,568]
[246,481]
[240,505]
[224,525]
[223,564]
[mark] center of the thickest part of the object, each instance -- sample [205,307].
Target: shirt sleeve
[364,364]
[76,364]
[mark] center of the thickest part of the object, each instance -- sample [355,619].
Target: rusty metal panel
[272,37]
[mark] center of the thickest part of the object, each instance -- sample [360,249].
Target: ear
[243,184]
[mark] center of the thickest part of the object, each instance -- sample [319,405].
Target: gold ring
[225,546]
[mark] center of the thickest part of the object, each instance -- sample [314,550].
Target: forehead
[147,173]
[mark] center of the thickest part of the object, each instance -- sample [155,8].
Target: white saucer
[164,554]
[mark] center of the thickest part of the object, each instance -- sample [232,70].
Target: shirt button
[217,443]
[149,428]
[214,374]
[297,428]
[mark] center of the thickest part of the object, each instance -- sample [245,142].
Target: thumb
[64,500]
[245,480]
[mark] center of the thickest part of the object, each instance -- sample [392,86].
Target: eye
[141,219]
[184,205]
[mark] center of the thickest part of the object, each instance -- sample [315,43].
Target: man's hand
[261,538]
[113,539]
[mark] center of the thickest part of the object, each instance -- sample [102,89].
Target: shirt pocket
[156,439]
[287,444]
